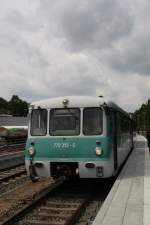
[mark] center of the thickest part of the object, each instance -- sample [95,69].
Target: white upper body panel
[73,101]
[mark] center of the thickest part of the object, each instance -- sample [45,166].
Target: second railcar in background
[80,135]
[13,131]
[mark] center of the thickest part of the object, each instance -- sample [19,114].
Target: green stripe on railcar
[72,149]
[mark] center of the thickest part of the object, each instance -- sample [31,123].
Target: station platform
[128,202]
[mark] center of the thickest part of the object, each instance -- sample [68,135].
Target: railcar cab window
[92,121]
[65,122]
[39,122]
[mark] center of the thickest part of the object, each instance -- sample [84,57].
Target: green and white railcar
[80,135]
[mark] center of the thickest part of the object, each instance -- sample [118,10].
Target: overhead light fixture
[65,102]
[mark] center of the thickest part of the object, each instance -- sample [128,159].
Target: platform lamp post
[138,121]
[144,122]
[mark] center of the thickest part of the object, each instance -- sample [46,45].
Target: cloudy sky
[55,48]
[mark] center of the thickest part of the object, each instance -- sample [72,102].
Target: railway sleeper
[47,215]
[36,222]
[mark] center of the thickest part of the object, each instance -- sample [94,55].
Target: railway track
[12,178]
[7,174]
[55,211]
[11,144]
[15,203]
[11,148]
[67,204]
[11,154]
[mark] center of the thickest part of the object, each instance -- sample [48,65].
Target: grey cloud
[79,86]
[100,26]
[95,24]
[71,48]
[89,25]
[22,22]
[133,58]
[73,86]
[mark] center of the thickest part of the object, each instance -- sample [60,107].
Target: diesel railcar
[82,136]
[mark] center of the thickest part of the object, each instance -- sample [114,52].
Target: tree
[17,106]
[142,116]
[4,109]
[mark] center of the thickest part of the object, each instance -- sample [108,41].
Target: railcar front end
[69,141]
[78,137]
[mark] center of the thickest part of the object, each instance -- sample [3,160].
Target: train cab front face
[68,141]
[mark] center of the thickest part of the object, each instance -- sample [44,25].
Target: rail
[57,202]
[17,202]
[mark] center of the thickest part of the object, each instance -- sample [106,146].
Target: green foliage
[142,116]
[3,106]
[15,106]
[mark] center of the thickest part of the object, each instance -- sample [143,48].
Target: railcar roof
[74,101]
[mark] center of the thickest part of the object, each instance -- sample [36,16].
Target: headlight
[31,151]
[98,151]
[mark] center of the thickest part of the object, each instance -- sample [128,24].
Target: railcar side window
[65,122]
[39,122]
[92,121]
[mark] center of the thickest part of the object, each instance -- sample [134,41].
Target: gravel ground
[60,204]
[12,184]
